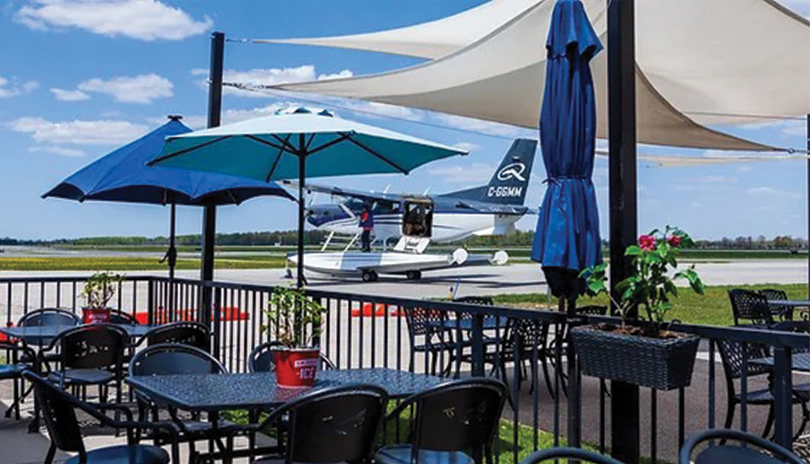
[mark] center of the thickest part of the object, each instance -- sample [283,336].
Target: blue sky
[81,77]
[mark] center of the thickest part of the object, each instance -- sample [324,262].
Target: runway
[483,280]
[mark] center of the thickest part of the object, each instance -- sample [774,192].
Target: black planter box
[662,364]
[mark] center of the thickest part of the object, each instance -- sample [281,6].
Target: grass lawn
[63,263]
[713,308]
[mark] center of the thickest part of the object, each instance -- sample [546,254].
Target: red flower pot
[296,368]
[95,315]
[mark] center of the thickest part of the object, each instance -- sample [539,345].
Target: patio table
[490,323]
[218,392]
[800,362]
[43,335]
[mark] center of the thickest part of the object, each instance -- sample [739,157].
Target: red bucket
[296,368]
[95,315]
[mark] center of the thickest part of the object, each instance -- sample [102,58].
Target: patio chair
[453,423]
[49,316]
[434,342]
[59,410]
[747,305]
[178,359]
[89,355]
[534,336]
[261,359]
[17,359]
[732,354]
[581,455]
[184,333]
[783,312]
[329,426]
[752,449]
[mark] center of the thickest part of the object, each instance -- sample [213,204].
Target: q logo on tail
[512,171]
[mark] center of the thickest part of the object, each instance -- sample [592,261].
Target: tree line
[316,237]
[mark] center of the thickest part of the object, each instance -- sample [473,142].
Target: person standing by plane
[367,223]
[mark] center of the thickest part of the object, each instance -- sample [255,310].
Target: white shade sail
[698,62]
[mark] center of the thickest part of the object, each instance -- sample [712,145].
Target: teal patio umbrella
[297,144]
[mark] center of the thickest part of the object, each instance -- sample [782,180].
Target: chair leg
[730,408]
[768,423]
[544,366]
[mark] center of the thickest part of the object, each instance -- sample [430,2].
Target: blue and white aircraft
[417,220]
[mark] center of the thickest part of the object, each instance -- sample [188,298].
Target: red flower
[675,241]
[646,242]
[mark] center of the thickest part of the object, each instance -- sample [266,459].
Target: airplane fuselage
[450,223]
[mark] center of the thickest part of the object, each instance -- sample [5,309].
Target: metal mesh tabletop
[215,392]
[801,362]
[44,334]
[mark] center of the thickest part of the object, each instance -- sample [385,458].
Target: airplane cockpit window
[417,218]
[385,208]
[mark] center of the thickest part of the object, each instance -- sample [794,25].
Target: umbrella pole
[172,258]
[302,166]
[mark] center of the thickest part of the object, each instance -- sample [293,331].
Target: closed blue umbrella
[567,236]
[123,176]
[296,144]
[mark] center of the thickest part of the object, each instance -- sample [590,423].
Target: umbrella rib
[278,158]
[184,151]
[382,158]
[265,142]
[309,143]
[330,143]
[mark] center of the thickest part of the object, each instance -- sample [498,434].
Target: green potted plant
[296,321]
[99,289]
[649,354]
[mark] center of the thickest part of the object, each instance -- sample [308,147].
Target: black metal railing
[525,347]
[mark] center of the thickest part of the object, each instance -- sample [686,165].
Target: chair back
[57,409]
[750,306]
[458,416]
[261,359]
[49,317]
[751,449]
[120,317]
[419,320]
[581,455]
[93,346]
[774,294]
[334,425]
[732,354]
[169,359]
[183,333]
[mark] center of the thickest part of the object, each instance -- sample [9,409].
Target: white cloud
[381,110]
[57,150]
[743,169]
[268,76]
[478,125]
[69,95]
[13,89]
[138,19]
[101,132]
[139,89]
[772,192]
[476,173]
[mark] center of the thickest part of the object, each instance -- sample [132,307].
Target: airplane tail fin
[510,181]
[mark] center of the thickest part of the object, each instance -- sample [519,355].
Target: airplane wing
[493,208]
[348,193]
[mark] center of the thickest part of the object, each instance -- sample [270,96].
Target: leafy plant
[652,284]
[295,319]
[100,289]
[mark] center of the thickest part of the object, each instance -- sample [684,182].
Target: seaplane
[416,220]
